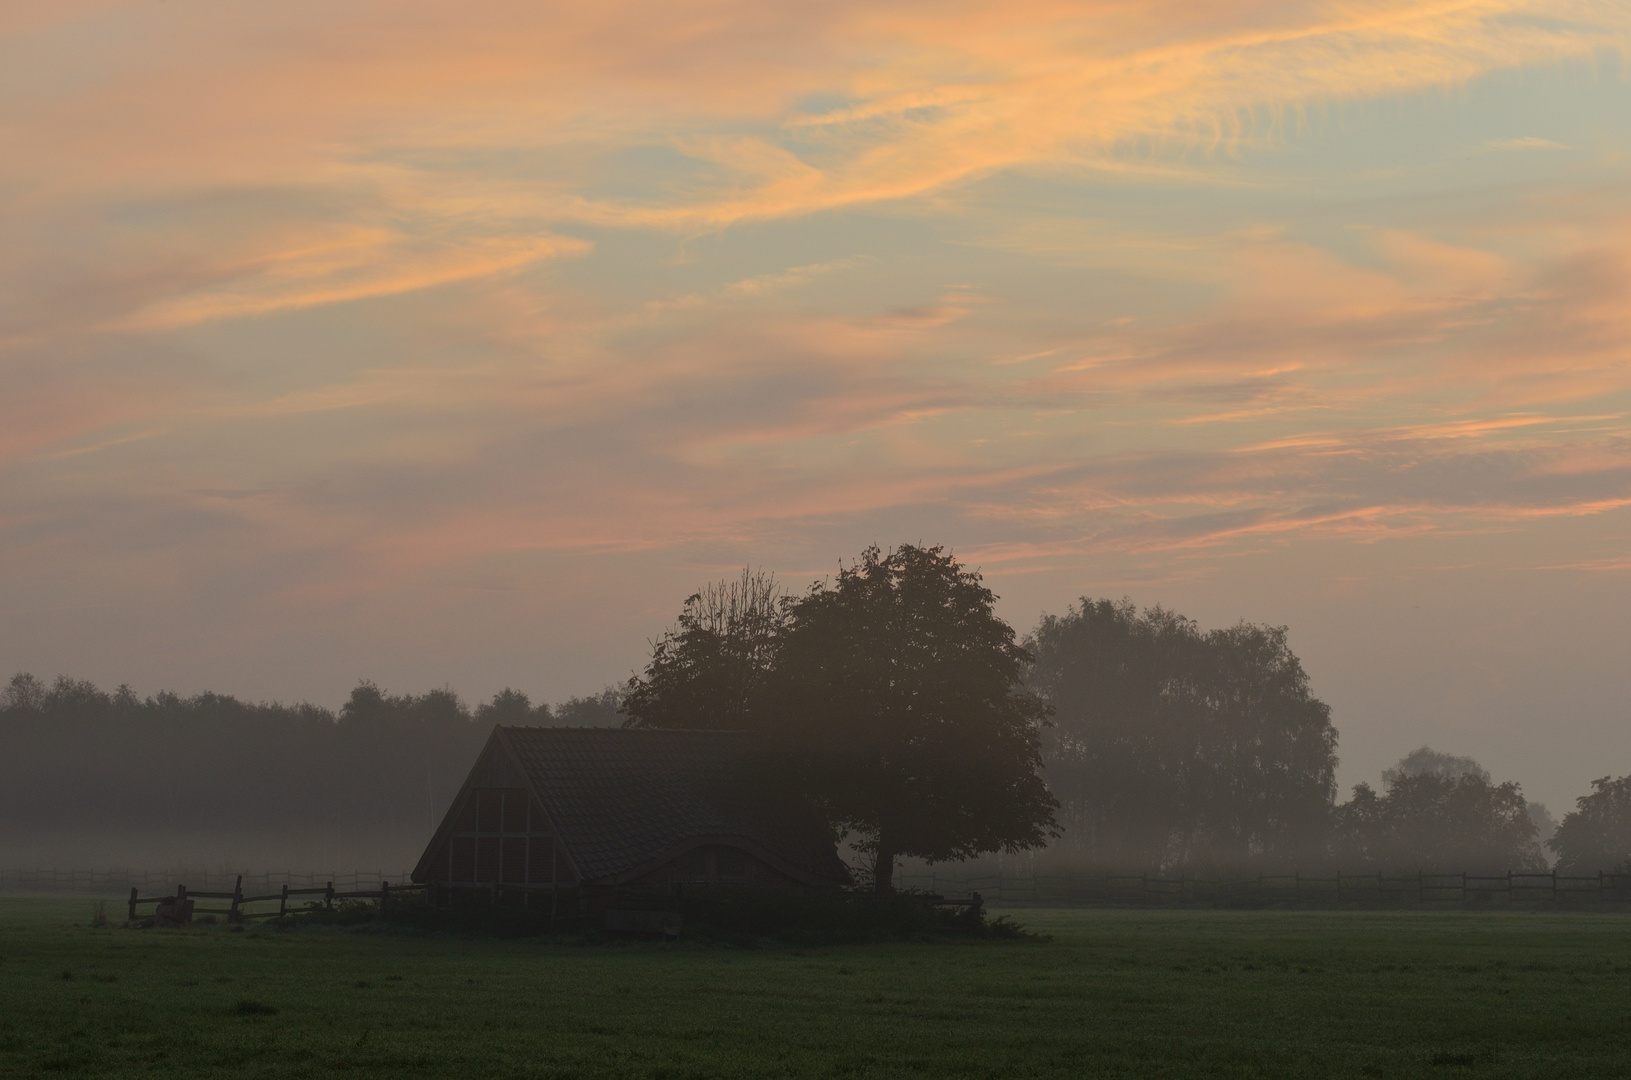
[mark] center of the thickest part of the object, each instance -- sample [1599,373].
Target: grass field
[1115,993]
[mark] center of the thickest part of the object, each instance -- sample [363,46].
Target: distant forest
[89,777]
[1167,748]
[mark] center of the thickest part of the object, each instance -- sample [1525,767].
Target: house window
[514,863]
[540,862]
[464,858]
[487,858]
[492,811]
[515,811]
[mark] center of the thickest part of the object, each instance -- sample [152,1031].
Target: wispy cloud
[357,265]
[1526,142]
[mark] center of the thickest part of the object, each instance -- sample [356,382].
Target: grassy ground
[1116,993]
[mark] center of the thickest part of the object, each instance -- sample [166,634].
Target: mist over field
[91,779]
[1167,748]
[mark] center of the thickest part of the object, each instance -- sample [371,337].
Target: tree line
[1174,747]
[891,696]
[92,777]
[921,724]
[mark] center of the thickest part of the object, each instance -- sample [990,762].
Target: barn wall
[501,836]
[497,769]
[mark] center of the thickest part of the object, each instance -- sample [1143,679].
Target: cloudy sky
[453,344]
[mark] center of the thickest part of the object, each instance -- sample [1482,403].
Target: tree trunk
[883,870]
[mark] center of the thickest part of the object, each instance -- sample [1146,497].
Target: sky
[454,345]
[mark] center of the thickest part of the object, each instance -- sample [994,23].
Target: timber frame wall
[501,837]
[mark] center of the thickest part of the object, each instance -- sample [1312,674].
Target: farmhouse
[567,808]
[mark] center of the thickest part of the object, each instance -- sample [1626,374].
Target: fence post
[133,902]
[328,896]
[283,903]
[384,896]
[234,914]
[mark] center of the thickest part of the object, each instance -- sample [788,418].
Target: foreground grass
[1116,993]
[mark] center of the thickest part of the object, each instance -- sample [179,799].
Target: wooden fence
[155,881]
[239,909]
[1360,890]
[1038,889]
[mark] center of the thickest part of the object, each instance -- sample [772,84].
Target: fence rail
[1422,889]
[1011,889]
[181,906]
[198,881]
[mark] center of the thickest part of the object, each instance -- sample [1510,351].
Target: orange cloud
[719,273]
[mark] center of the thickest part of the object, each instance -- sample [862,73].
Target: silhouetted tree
[1433,821]
[24,693]
[514,708]
[105,771]
[897,699]
[1172,746]
[709,670]
[1596,835]
[1429,762]
[604,709]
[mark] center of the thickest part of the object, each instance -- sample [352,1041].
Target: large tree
[1597,834]
[1426,761]
[1429,762]
[897,697]
[710,670]
[1447,822]
[891,697]
[1172,746]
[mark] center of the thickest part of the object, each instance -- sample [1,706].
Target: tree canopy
[1596,835]
[1437,821]
[1173,747]
[892,696]
[1425,761]
[711,670]
[112,778]
[900,691]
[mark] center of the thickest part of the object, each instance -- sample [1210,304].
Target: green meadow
[1114,993]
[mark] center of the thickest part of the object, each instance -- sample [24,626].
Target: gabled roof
[624,801]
